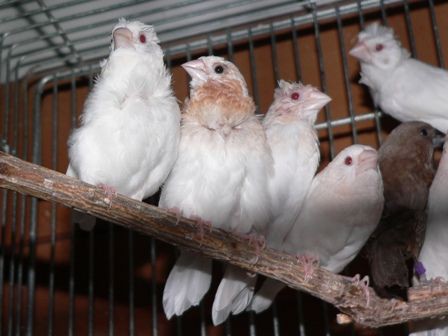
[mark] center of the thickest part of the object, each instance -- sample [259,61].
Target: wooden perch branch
[37,181]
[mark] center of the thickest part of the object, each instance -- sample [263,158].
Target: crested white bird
[289,127]
[403,87]
[130,126]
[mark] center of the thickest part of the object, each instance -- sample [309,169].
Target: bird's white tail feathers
[85,221]
[266,295]
[234,294]
[70,172]
[187,283]
[429,328]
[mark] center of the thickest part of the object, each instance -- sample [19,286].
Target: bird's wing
[318,228]
[434,252]
[392,248]
[417,91]
[296,156]
[253,213]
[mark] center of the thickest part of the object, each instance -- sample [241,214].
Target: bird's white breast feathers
[130,127]
[210,177]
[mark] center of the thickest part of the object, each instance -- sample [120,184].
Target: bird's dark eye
[219,69]
[424,132]
[379,47]
[295,96]
[142,38]
[348,161]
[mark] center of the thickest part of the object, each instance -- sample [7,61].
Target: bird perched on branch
[406,164]
[289,127]
[401,86]
[220,178]
[434,252]
[130,126]
[341,210]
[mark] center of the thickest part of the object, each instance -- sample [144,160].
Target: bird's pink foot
[257,241]
[203,226]
[437,282]
[310,263]
[176,211]
[110,192]
[363,284]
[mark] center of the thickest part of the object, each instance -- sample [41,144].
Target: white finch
[401,86]
[220,177]
[342,208]
[129,134]
[289,127]
[434,252]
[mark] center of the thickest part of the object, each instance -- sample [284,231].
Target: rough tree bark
[26,178]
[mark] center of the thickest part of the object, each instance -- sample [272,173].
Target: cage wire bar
[28,70]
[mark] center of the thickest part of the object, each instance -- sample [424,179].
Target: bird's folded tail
[85,221]
[266,295]
[187,283]
[234,294]
[427,327]
[70,172]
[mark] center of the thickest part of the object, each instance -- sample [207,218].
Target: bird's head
[135,35]
[305,101]
[213,69]
[406,163]
[353,174]
[354,161]
[412,139]
[378,46]
[218,93]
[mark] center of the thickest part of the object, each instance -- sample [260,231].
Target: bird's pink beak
[360,51]
[368,159]
[196,69]
[122,38]
[317,100]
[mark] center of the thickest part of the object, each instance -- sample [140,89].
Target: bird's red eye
[142,38]
[379,47]
[348,160]
[295,96]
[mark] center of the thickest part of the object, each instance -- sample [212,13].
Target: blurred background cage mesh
[57,279]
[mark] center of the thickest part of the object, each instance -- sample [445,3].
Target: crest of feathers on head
[136,26]
[376,30]
[285,86]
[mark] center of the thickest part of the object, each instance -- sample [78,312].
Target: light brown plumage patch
[219,103]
